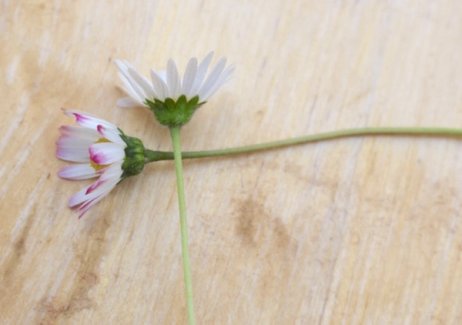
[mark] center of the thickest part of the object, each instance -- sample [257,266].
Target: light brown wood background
[357,231]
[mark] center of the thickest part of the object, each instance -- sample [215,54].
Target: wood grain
[357,231]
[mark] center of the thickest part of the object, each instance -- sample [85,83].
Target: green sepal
[134,156]
[174,113]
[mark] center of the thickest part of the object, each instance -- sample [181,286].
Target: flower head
[173,98]
[100,150]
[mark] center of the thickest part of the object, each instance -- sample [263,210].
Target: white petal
[173,80]
[224,77]
[106,153]
[122,65]
[189,77]
[132,89]
[162,75]
[200,75]
[78,172]
[212,78]
[160,87]
[132,85]
[142,82]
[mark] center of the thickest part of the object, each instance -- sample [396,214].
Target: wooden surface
[357,231]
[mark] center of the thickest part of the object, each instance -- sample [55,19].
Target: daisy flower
[173,97]
[100,150]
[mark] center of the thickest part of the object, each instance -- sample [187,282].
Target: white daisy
[99,149]
[196,81]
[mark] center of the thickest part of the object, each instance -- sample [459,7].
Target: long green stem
[346,133]
[175,134]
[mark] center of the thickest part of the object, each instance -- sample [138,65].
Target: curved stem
[175,134]
[346,133]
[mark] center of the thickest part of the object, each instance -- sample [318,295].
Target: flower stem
[175,134]
[345,133]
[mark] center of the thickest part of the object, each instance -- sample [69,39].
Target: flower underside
[174,113]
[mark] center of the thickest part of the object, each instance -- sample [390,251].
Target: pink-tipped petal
[73,154]
[87,120]
[71,142]
[78,132]
[82,196]
[94,186]
[87,205]
[110,134]
[106,153]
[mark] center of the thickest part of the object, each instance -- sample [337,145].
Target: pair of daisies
[101,150]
